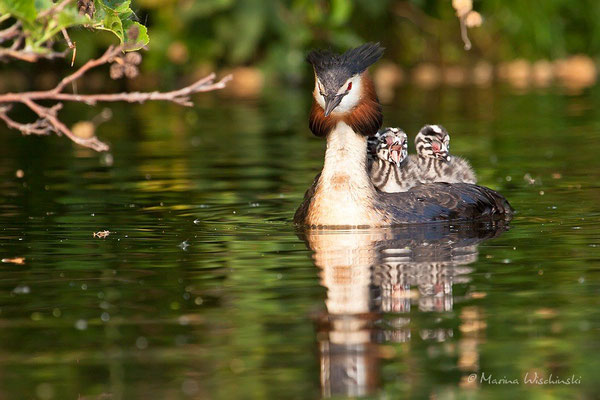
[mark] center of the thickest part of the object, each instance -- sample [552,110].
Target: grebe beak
[331,102]
[395,152]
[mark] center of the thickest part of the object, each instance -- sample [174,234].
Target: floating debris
[102,234]
[529,179]
[14,260]
[22,289]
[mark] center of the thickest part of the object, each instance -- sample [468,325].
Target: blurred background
[525,43]
[202,288]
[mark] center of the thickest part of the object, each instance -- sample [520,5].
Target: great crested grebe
[346,111]
[434,161]
[389,168]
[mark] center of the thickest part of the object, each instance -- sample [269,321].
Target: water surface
[203,289]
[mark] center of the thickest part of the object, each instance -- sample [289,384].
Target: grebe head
[392,145]
[433,141]
[344,91]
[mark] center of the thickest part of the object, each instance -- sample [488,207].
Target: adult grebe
[346,111]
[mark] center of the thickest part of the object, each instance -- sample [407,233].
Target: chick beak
[395,152]
[331,102]
[444,153]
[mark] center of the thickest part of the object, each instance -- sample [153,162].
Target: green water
[204,290]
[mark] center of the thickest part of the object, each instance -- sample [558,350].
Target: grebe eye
[349,86]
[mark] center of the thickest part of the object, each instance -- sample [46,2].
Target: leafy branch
[32,28]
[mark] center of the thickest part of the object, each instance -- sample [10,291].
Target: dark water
[204,290]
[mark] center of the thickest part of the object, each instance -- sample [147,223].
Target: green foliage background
[276,34]
[189,36]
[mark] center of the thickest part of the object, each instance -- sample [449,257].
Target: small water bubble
[198,301]
[581,279]
[84,287]
[254,204]
[197,221]
[104,305]
[184,245]
[81,324]
[593,245]
[107,159]
[183,320]
[93,214]
[203,206]
[541,192]
[186,296]
[576,227]
[234,212]
[105,317]
[56,313]
[148,177]
[506,261]
[554,207]
[100,295]
[508,178]
[488,275]
[141,343]
[279,276]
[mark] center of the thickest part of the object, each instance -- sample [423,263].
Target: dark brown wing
[442,202]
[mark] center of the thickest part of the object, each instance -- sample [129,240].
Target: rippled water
[203,289]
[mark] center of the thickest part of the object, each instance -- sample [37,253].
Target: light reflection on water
[203,289]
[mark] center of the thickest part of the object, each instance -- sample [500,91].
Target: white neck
[344,194]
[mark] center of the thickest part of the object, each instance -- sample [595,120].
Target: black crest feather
[354,60]
[334,69]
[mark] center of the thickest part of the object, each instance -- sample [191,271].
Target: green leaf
[115,16]
[142,35]
[21,9]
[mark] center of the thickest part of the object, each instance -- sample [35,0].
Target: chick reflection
[371,272]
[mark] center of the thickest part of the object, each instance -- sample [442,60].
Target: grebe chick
[388,164]
[346,111]
[433,160]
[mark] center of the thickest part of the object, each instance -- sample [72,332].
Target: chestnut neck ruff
[365,119]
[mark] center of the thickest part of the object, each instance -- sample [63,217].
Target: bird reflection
[373,279]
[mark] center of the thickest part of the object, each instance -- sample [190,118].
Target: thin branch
[463,32]
[107,57]
[70,44]
[39,127]
[48,120]
[10,32]
[50,115]
[31,56]
[54,9]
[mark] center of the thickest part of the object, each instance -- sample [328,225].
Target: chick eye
[349,86]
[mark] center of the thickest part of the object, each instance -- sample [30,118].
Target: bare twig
[70,44]
[463,32]
[10,32]
[54,9]
[48,120]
